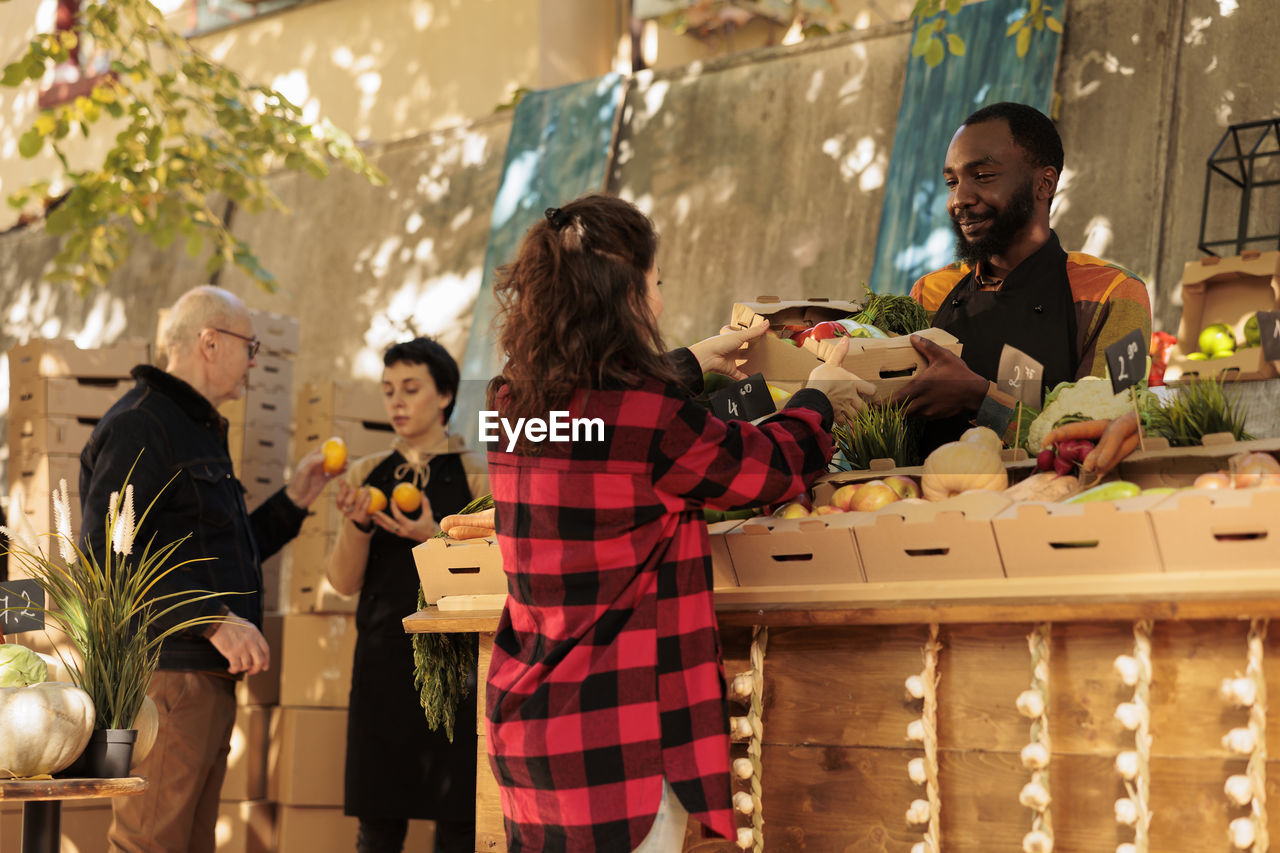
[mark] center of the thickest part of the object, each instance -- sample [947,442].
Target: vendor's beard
[1004,228]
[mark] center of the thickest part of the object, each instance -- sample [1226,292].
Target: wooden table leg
[41,826]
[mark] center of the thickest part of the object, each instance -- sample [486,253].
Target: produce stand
[835,753]
[42,804]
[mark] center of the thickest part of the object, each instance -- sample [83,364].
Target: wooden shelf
[1211,594]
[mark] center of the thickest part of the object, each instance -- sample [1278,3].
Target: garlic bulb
[915,687]
[742,768]
[919,812]
[746,838]
[1240,740]
[919,847]
[743,803]
[1130,715]
[1126,811]
[1128,668]
[1031,703]
[1034,796]
[915,730]
[742,686]
[1041,672]
[739,727]
[1035,756]
[1127,848]
[1127,764]
[1037,841]
[915,769]
[1241,692]
[1241,833]
[1239,790]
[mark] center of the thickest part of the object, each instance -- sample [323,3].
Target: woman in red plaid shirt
[606,714]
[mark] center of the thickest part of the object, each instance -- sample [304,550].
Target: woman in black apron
[397,769]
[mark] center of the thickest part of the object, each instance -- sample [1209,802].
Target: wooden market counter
[835,716]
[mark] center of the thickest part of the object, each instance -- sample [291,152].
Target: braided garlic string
[924,771]
[748,687]
[1033,704]
[1134,766]
[1250,691]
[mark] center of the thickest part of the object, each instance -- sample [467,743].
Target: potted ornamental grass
[108,613]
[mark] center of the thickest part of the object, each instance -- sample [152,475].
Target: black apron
[1033,310]
[396,766]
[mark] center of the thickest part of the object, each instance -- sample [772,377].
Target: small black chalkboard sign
[1269,334]
[21,606]
[743,401]
[1127,361]
[1020,376]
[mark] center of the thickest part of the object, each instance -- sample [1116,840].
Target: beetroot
[1044,462]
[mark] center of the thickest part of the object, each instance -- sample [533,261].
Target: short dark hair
[441,366]
[1032,131]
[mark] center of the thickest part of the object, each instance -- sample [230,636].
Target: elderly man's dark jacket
[170,444]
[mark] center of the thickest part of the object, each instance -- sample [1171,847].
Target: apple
[1252,337]
[1217,337]
[827,509]
[903,487]
[793,510]
[842,498]
[873,495]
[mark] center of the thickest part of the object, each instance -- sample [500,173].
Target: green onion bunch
[879,431]
[1199,408]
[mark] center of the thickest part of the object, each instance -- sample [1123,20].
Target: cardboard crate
[304,829]
[362,437]
[306,759]
[38,474]
[259,440]
[272,569]
[1104,537]
[943,540]
[722,574]
[263,410]
[261,477]
[328,401]
[271,376]
[303,569]
[264,688]
[246,777]
[794,313]
[1203,530]
[31,438]
[279,333]
[83,826]
[813,551]
[459,567]
[245,827]
[61,357]
[315,660]
[40,397]
[1163,466]
[1225,290]
[37,509]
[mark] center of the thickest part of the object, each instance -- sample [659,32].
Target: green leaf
[1013,28]
[1053,24]
[939,25]
[14,74]
[953,6]
[1024,41]
[955,44]
[935,53]
[30,143]
[195,244]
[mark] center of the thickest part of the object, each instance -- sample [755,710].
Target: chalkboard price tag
[1020,376]
[993,415]
[21,606]
[743,401]
[1127,361]
[1269,334]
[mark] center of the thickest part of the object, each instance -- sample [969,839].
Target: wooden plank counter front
[835,714]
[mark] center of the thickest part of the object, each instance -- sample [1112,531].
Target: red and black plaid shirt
[606,672]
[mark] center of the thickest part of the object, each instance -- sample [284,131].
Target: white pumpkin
[43,728]
[960,466]
[148,725]
[985,437]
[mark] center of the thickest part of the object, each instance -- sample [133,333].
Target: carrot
[462,531]
[1091,430]
[482,519]
[1117,441]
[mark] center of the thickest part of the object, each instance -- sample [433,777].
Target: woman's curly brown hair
[573,308]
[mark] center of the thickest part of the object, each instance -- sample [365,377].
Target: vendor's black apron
[1033,310]
[396,766]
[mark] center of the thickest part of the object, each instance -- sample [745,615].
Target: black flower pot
[108,755]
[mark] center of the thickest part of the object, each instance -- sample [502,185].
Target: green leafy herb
[1199,408]
[900,315]
[879,431]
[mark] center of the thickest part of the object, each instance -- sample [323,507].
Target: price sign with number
[1020,376]
[743,401]
[21,606]
[1269,334]
[1127,361]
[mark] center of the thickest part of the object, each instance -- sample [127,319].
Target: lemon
[779,396]
[335,455]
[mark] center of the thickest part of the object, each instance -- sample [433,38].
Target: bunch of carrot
[1097,445]
[474,525]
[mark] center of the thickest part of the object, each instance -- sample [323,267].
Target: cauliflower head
[1091,398]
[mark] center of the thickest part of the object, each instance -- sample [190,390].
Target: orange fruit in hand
[377,500]
[335,455]
[407,497]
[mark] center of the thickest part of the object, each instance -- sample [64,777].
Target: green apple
[1197,356]
[1217,338]
[1252,337]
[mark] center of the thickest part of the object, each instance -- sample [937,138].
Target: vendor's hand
[945,386]
[844,389]
[353,502]
[242,644]
[418,529]
[718,354]
[309,479]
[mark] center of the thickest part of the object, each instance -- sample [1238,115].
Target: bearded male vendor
[1013,283]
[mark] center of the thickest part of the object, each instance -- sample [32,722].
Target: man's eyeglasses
[254,343]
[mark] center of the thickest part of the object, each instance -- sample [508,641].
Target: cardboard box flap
[971,504]
[61,357]
[792,311]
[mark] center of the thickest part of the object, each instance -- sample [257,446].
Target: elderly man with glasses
[165,435]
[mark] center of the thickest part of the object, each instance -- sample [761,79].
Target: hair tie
[556,217]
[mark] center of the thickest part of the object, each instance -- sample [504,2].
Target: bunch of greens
[442,663]
[879,431]
[899,315]
[1200,407]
